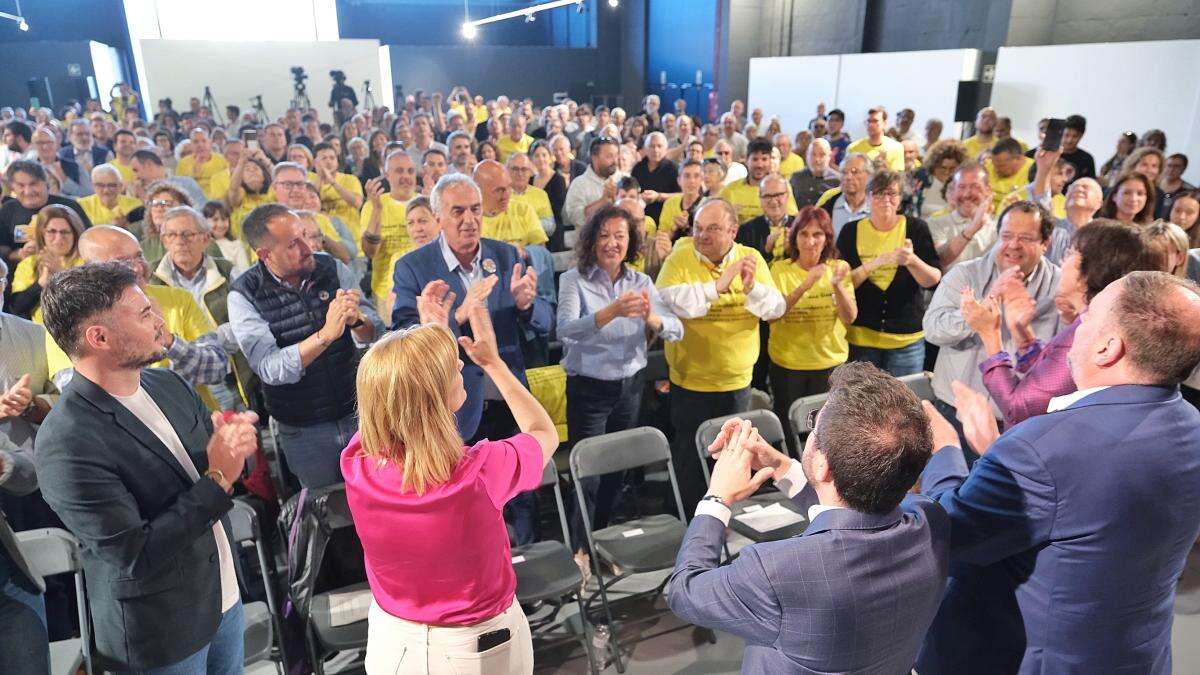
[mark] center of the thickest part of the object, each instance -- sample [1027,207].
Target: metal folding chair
[49,552]
[262,618]
[769,427]
[546,572]
[921,385]
[645,544]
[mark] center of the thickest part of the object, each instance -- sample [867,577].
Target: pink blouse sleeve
[509,467]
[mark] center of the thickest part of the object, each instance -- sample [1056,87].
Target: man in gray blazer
[856,592]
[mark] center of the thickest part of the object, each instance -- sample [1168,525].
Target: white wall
[926,81]
[236,71]
[1118,87]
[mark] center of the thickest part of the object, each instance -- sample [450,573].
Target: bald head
[495,184]
[108,243]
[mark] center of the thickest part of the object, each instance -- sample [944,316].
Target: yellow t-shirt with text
[100,214]
[213,189]
[518,225]
[718,350]
[1002,187]
[889,148]
[537,199]
[810,335]
[394,231]
[333,204]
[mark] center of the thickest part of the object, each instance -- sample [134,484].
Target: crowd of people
[379,288]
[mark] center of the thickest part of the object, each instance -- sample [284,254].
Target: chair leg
[587,635]
[613,643]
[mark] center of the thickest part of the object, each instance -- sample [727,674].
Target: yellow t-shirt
[1058,203]
[826,196]
[548,385]
[671,209]
[649,229]
[481,114]
[508,146]
[890,148]
[975,145]
[537,199]
[394,232]
[333,204]
[718,350]
[872,243]
[1001,187]
[208,171]
[249,203]
[744,196]
[127,174]
[100,214]
[26,273]
[810,335]
[790,164]
[182,316]
[518,225]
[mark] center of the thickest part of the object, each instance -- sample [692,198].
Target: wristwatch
[714,498]
[219,478]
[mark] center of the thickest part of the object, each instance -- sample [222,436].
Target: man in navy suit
[857,591]
[1070,534]
[443,279]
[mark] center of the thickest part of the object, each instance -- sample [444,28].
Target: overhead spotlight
[530,18]
[614,3]
[24,25]
[469,30]
[581,6]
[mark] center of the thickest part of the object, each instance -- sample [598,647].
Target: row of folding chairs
[54,551]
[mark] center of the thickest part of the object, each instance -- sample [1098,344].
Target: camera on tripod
[338,76]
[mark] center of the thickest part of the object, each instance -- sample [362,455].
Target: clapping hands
[740,469]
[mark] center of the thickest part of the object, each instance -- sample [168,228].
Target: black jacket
[901,307]
[149,556]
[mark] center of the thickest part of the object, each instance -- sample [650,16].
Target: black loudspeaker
[39,88]
[972,95]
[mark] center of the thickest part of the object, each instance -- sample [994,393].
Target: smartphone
[1052,141]
[21,233]
[250,136]
[387,187]
[493,639]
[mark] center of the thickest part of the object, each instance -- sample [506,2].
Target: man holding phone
[1065,134]
[31,192]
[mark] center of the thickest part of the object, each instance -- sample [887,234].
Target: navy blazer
[1069,535]
[100,155]
[417,268]
[854,593]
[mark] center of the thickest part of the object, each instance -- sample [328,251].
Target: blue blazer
[417,268]
[100,155]
[1068,538]
[854,593]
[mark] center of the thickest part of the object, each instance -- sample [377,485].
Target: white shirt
[145,409]
[790,484]
[736,171]
[946,227]
[691,301]
[1067,400]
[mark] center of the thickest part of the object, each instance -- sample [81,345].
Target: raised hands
[975,414]
[375,191]
[523,286]
[477,294]
[481,347]
[434,303]
[15,400]
[234,440]
[734,477]
[982,316]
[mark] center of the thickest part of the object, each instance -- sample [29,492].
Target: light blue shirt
[466,276]
[618,350]
[273,364]
[842,213]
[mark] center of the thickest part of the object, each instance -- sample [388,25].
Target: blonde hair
[404,415]
[1160,237]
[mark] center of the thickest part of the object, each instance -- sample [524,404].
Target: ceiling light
[24,25]
[614,3]
[469,30]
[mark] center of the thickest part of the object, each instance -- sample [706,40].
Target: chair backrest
[920,384]
[549,475]
[242,519]
[801,409]
[765,421]
[50,551]
[618,451]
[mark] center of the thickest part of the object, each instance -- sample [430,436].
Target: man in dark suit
[1070,533]
[855,592]
[25,647]
[450,275]
[139,473]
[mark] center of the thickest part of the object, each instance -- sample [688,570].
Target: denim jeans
[224,655]
[314,452]
[24,642]
[899,362]
[596,407]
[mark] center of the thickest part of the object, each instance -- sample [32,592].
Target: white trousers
[399,647]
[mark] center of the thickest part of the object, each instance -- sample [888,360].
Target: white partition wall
[1118,87]
[236,71]
[792,86]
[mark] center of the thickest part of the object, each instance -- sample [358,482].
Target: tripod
[210,102]
[368,99]
[260,113]
[300,99]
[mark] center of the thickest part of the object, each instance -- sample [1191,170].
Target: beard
[136,357]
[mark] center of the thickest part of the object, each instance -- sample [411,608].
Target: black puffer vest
[326,390]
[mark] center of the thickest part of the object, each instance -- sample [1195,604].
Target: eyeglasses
[854,172]
[164,202]
[177,236]
[106,186]
[1027,239]
[58,233]
[290,185]
[890,195]
[812,418]
[773,195]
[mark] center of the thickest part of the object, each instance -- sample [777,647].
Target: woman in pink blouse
[1101,252]
[429,510]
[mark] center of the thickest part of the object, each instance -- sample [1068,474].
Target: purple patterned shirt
[1046,375]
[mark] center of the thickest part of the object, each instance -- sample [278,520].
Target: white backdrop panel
[236,71]
[925,81]
[792,86]
[1118,87]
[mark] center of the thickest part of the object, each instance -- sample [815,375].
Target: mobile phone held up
[250,137]
[1052,141]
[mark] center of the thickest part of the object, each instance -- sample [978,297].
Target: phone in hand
[1052,141]
[21,233]
[250,137]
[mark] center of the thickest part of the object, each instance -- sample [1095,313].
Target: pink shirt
[441,558]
